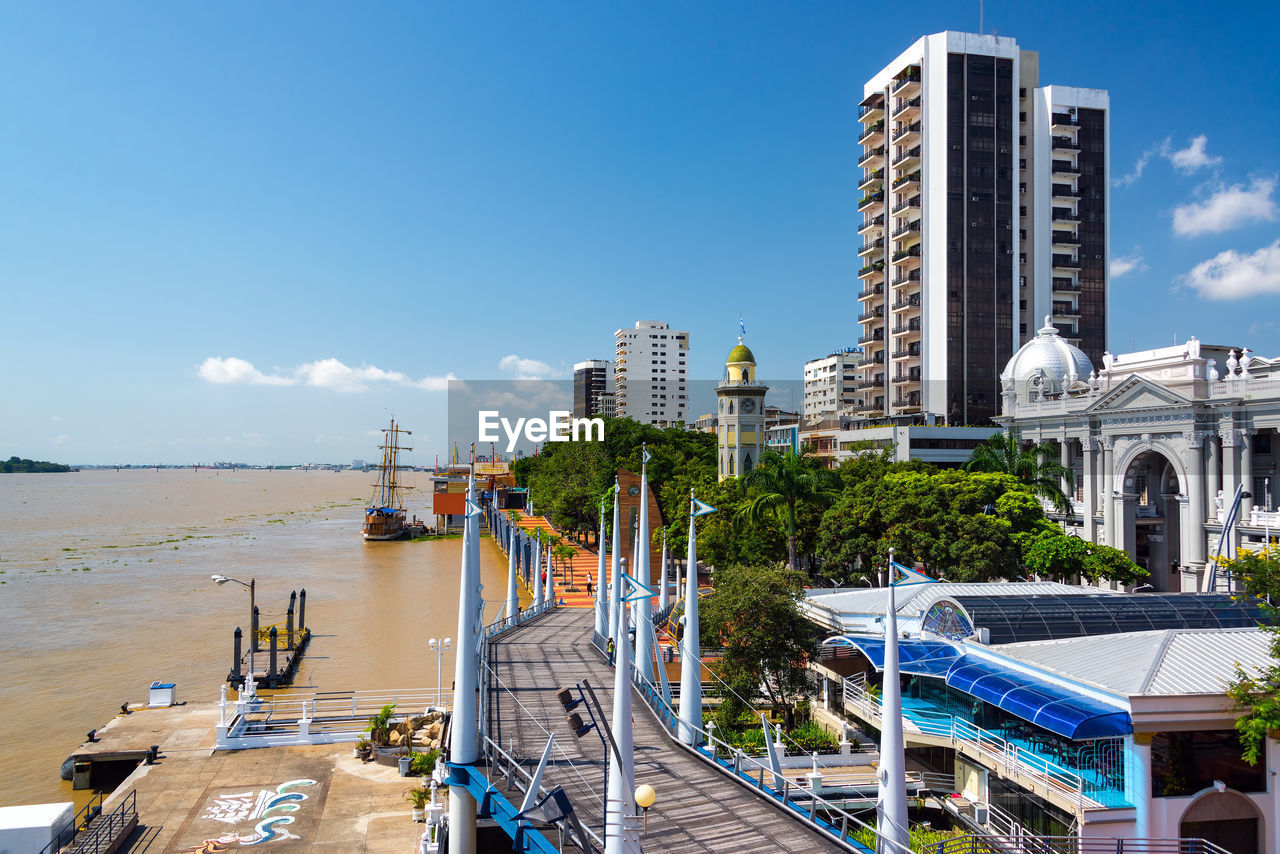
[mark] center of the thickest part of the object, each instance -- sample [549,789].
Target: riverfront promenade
[698,808]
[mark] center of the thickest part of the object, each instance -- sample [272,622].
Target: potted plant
[418,797]
[379,727]
[363,749]
[422,764]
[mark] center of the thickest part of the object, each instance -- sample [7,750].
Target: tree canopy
[1258,694]
[753,615]
[1034,466]
[16,465]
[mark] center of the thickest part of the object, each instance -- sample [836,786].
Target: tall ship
[384,519]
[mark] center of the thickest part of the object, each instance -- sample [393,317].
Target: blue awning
[916,657]
[1052,707]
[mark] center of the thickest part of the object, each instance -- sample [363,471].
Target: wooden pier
[698,808]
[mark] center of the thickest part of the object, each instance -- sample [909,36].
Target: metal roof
[1162,662]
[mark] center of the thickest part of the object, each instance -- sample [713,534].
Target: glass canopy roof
[1013,619]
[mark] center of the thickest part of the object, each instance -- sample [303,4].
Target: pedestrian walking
[591,590]
[610,649]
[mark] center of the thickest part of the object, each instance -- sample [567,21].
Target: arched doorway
[1227,819]
[1152,534]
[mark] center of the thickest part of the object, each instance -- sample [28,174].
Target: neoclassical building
[1158,441]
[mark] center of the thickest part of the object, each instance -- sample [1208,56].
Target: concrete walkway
[698,809]
[202,802]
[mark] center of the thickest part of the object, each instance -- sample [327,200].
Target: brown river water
[104,588]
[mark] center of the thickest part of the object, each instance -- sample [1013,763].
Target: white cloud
[524,369]
[61,440]
[1131,263]
[330,373]
[1193,157]
[233,370]
[1138,169]
[323,373]
[1186,160]
[1268,326]
[55,417]
[1228,208]
[1233,275]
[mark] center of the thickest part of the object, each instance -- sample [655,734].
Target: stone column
[1088,446]
[1192,519]
[1064,457]
[1246,472]
[1126,521]
[1212,475]
[1108,490]
[1186,540]
[1230,466]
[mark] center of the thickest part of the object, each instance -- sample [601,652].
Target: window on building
[1183,763]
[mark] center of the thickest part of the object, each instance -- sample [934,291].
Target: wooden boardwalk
[698,808]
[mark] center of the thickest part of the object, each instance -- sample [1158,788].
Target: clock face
[748,405]
[633,490]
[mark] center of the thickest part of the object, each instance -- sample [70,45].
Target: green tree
[966,525]
[1062,558]
[1258,694]
[780,483]
[1033,465]
[753,615]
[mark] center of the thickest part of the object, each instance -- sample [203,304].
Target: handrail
[79,822]
[987,744]
[102,834]
[806,807]
[515,773]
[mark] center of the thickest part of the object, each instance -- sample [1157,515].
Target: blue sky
[251,232]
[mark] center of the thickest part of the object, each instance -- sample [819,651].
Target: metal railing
[987,745]
[511,767]
[814,810]
[104,831]
[87,813]
[1031,844]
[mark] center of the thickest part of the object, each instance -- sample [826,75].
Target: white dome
[1045,365]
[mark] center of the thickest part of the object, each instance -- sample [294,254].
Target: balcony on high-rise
[874,133]
[871,155]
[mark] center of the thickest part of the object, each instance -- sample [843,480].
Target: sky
[253,232]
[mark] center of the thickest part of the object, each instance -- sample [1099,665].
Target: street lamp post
[252,585]
[439,645]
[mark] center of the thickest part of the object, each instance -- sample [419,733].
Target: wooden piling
[235,667]
[288,622]
[302,611]
[254,629]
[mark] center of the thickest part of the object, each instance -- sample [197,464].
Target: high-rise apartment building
[830,384]
[594,391]
[984,208]
[652,373]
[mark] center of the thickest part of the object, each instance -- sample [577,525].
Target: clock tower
[740,414]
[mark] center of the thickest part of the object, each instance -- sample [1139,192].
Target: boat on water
[384,518]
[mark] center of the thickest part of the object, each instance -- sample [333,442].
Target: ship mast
[388,488]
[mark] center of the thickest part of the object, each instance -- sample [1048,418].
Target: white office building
[830,383]
[651,373]
[984,204]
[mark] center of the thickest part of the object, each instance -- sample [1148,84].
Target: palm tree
[1034,466]
[782,482]
[564,554]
